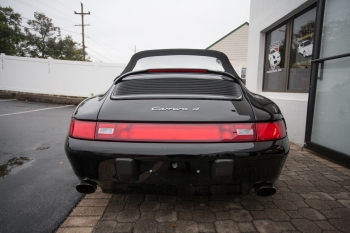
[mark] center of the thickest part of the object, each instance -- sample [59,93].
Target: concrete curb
[35,97]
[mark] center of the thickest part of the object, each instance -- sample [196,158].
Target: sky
[118,26]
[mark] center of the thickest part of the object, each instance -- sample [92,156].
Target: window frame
[288,44]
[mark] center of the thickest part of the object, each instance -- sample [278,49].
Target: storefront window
[335,32]
[274,59]
[301,51]
[288,54]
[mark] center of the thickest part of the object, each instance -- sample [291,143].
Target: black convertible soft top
[163,52]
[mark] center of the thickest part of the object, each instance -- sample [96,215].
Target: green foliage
[10,31]
[41,39]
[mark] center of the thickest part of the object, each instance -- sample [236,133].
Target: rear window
[179,61]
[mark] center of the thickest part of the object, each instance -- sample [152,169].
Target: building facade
[299,57]
[235,46]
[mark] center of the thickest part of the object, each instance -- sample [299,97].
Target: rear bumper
[197,163]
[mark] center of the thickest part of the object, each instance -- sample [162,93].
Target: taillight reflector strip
[152,132]
[177,132]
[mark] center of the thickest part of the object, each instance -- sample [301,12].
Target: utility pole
[135,50]
[82,26]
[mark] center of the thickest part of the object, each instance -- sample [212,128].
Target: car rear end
[175,127]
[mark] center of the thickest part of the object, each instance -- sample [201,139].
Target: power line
[105,49]
[64,5]
[101,55]
[56,9]
[36,8]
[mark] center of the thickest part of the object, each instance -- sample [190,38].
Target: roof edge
[246,23]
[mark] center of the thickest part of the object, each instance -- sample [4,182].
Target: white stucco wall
[265,15]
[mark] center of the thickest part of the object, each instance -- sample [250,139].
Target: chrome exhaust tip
[265,189]
[86,187]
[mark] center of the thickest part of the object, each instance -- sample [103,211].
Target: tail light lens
[145,132]
[82,129]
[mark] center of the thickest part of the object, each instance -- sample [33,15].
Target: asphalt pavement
[37,184]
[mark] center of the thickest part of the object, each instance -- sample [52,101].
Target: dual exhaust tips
[261,189]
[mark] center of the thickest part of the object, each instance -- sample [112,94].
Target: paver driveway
[313,196]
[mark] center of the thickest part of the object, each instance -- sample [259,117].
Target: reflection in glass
[336,28]
[331,124]
[274,59]
[301,50]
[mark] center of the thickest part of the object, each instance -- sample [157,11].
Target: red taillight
[175,132]
[82,129]
[177,71]
[270,131]
[145,132]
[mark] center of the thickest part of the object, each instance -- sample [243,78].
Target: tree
[67,49]
[42,36]
[11,35]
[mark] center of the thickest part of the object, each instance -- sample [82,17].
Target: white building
[299,57]
[235,46]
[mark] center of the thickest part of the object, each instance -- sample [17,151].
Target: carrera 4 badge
[173,109]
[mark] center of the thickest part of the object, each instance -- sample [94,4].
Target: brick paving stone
[277,215]
[234,206]
[227,226]
[148,215]
[166,227]
[204,216]
[93,202]
[150,206]
[341,195]
[109,216]
[166,216]
[341,224]
[240,215]
[118,197]
[81,221]
[132,205]
[166,206]
[201,206]
[334,204]
[115,206]
[311,214]
[184,206]
[98,195]
[268,226]
[151,198]
[246,227]
[203,199]
[324,225]
[105,226]
[205,227]
[318,204]
[128,215]
[75,230]
[269,205]
[305,225]
[258,214]
[185,215]
[146,226]
[252,205]
[345,203]
[218,206]
[337,213]
[186,226]
[163,198]
[285,205]
[303,189]
[124,227]
[134,197]
[294,214]
[87,211]
[222,215]
[318,195]
[292,196]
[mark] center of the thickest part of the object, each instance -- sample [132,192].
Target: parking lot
[37,189]
[37,185]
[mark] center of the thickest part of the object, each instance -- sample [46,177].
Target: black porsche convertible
[178,117]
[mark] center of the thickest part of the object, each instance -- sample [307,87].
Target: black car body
[178,116]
